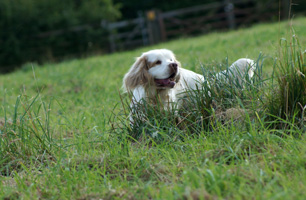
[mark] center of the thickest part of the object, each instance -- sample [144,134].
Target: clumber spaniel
[157,74]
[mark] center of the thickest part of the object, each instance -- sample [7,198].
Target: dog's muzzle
[168,82]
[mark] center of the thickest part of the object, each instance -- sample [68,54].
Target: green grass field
[57,142]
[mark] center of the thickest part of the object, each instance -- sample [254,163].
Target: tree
[23,22]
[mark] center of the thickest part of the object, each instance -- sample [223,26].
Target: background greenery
[56,140]
[39,31]
[22,23]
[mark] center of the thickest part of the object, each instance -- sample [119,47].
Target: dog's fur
[157,74]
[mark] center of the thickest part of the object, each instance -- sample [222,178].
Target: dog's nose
[173,66]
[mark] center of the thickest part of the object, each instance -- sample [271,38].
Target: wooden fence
[155,26]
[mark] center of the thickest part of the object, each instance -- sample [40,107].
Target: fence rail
[155,26]
[158,26]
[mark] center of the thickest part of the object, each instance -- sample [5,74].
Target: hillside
[99,78]
[56,141]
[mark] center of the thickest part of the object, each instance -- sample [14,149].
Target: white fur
[165,56]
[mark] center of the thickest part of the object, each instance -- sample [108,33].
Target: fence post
[229,10]
[112,43]
[106,25]
[162,29]
[144,32]
[153,27]
[286,9]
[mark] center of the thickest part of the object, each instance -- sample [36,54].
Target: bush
[29,28]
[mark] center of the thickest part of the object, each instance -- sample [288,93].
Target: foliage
[39,31]
[131,8]
[26,26]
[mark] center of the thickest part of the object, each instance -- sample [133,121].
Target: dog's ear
[137,75]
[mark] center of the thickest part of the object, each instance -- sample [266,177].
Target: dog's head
[156,68]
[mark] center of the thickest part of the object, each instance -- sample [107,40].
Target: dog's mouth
[168,82]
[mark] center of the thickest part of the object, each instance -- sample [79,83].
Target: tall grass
[26,137]
[287,98]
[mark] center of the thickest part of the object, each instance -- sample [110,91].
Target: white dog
[157,73]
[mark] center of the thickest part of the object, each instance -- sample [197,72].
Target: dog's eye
[158,62]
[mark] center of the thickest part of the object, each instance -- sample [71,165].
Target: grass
[60,139]
[289,101]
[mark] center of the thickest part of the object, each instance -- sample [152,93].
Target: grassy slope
[87,162]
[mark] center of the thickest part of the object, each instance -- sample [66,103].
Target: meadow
[59,135]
